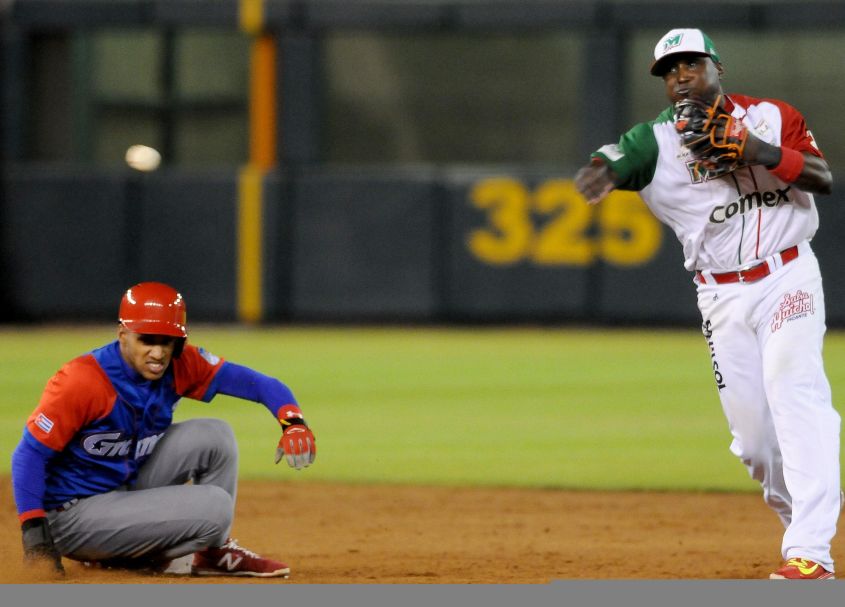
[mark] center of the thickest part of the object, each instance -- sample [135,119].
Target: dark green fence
[423,239]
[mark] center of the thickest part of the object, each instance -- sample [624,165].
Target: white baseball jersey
[764,335]
[728,222]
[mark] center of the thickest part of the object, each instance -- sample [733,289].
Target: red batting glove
[297,444]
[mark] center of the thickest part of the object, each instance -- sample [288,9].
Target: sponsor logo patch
[792,307]
[749,202]
[44,422]
[762,130]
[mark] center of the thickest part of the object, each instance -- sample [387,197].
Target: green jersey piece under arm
[634,158]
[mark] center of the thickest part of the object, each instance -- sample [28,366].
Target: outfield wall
[364,160]
[356,245]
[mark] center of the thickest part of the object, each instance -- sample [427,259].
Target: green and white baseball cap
[682,41]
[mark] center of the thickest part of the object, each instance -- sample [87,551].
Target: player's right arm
[595,181]
[73,397]
[201,375]
[627,165]
[29,465]
[798,159]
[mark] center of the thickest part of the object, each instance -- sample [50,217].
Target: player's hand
[297,444]
[594,181]
[715,139]
[38,543]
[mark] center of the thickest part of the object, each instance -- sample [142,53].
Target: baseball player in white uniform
[746,237]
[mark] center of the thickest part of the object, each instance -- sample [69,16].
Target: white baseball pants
[765,340]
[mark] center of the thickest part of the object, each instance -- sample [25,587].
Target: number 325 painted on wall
[554,226]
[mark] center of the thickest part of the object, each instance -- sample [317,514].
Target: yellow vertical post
[251,16]
[262,157]
[249,244]
[262,129]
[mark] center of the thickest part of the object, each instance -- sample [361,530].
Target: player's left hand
[714,138]
[297,444]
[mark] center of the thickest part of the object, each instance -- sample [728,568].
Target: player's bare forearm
[815,176]
[595,181]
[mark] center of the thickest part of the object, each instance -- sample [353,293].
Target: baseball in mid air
[143,158]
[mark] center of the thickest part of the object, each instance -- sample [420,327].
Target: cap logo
[672,42]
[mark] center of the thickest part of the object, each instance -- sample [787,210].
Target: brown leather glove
[714,138]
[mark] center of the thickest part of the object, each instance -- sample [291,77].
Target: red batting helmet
[154,308]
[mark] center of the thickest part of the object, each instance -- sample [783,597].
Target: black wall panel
[353,245]
[73,240]
[63,243]
[185,236]
[363,245]
[277,247]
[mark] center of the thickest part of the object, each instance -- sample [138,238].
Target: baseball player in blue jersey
[102,473]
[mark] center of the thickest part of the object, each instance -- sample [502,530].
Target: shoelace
[232,544]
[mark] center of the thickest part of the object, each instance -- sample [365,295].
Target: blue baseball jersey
[99,420]
[103,419]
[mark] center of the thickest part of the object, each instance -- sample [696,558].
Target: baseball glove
[714,138]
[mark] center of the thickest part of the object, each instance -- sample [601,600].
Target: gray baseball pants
[163,516]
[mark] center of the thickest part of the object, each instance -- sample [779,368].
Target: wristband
[37,513]
[790,166]
[290,415]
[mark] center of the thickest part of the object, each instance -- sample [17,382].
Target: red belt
[752,274]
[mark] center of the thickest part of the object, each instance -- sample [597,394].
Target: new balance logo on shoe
[232,559]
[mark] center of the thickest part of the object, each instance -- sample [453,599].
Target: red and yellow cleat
[801,569]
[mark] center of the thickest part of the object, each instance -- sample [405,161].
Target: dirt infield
[345,534]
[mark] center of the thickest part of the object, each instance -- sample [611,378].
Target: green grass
[626,409]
